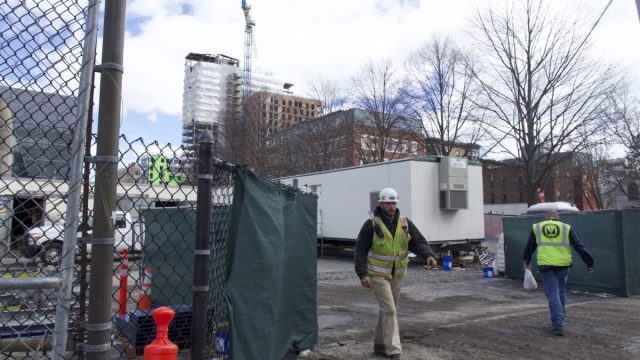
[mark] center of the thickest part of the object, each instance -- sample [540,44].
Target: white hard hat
[388,195]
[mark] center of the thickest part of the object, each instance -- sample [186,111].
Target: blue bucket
[222,343]
[446,263]
[487,272]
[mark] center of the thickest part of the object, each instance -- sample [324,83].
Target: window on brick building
[504,180]
[493,198]
[504,198]
[520,196]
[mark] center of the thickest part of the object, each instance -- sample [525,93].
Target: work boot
[557,332]
[395,357]
[379,349]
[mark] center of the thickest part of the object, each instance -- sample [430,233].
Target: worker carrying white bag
[553,241]
[529,281]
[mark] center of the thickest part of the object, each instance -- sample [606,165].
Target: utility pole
[106,159]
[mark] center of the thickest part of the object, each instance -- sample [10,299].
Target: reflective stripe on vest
[386,257]
[553,245]
[389,255]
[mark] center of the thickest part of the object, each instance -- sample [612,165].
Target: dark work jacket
[417,245]
[532,245]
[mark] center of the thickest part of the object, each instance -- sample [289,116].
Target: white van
[47,239]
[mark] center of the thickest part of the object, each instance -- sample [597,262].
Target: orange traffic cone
[124,274]
[162,348]
[144,299]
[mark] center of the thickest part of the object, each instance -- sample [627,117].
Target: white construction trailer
[441,195]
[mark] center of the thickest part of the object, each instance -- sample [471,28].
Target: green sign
[160,172]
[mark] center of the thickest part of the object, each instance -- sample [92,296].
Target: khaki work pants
[387,331]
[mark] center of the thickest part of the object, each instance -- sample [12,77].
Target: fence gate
[45,82]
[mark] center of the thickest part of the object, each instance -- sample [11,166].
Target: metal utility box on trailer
[425,187]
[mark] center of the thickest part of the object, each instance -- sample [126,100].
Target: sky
[299,40]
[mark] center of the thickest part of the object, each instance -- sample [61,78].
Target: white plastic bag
[529,281]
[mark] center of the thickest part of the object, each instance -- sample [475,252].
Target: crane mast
[248,46]
[246,84]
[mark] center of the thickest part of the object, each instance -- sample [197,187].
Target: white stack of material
[499,260]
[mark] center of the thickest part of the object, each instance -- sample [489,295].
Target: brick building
[280,111]
[348,138]
[504,183]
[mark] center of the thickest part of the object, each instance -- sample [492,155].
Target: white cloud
[152,117]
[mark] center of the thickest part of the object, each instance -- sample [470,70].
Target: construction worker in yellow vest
[381,259]
[553,240]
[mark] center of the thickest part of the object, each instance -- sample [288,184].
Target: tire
[52,253]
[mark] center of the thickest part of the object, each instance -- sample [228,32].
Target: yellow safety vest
[389,252]
[552,239]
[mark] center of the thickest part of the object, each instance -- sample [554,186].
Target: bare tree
[381,92]
[623,114]
[329,93]
[247,143]
[592,167]
[313,145]
[543,91]
[444,95]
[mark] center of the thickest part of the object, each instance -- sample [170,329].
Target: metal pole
[75,178]
[202,250]
[99,319]
[85,219]
[30,283]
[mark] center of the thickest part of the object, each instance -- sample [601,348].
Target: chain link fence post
[106,159]
[202,250]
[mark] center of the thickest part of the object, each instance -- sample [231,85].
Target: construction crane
[248,47]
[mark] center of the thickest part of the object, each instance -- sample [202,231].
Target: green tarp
[612,237]
[170,235]
[271,288]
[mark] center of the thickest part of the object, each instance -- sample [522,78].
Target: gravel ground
[461,315]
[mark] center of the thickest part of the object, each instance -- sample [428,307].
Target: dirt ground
[461,315]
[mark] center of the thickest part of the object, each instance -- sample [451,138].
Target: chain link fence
[43,104]
[157,195]
[155,226]
[44,59]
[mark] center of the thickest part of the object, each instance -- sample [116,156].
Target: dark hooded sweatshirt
[417,245]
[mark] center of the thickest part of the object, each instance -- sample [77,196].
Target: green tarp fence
[268,233]
[271,288]
[169,243]
[611,236]
[170,237]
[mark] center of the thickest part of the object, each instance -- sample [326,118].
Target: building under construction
[212,91]
[213,100]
